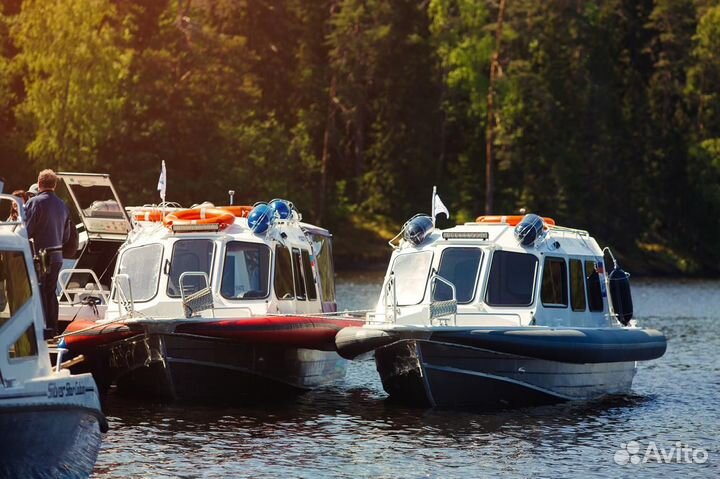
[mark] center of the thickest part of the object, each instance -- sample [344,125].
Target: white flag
[162,182]
[439,207]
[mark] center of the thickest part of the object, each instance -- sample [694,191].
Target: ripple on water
[349,430]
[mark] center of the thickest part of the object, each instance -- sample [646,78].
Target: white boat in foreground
[501,312]
[50,420]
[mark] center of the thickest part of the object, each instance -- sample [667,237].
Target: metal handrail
[191,297]
[452,302]
[389,289]
[124,301]
[64,291]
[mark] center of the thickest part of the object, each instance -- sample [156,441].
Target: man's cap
[34,189]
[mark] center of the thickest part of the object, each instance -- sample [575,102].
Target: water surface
[348,429]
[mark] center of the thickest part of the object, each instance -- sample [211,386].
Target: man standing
[48,226]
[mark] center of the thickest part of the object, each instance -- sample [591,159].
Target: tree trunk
[325,159]
[491,120]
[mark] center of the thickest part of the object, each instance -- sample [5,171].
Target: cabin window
[300,292]
[577,285]
[308,276]
[246,271]
[283,273]
[189,256]
[512,279]
[15,288]
[324,261]
[411,272]
[594,292]
[459,266]
[142,265]
[15,292]
[554,283]
[26,345]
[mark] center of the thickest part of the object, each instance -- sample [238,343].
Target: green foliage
[74,69]
[608,113]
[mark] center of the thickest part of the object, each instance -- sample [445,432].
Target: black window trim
[172,255]
[274,271]
[603,302]
[567,283]
[487,281]
[313,283]
[113,298]
[477,274]
[584,285]
[270,269]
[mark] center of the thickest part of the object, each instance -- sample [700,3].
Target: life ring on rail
[237,210]
[200,216]
[509,220]
[147,215]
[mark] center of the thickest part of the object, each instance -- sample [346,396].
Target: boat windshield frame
[412,282]
[268,272]
[488,277]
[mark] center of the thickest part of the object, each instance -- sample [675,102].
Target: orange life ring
[147,215]
[509,220]
[200,216]
[237,210]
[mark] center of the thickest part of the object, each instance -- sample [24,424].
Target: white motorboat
[504,311]
[51,423]
[227,303]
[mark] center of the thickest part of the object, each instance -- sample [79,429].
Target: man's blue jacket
[47,220]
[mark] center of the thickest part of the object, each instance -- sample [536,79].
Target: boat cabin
[229,262]
[484,273]
[23,354]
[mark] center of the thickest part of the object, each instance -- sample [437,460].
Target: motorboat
[51,423]
[227,303]
[505,311]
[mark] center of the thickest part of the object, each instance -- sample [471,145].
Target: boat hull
[176,366]
[447,375]
[49,441]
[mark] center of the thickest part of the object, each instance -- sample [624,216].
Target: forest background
[602,114]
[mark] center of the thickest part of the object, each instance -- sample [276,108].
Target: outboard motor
[260,217]
[620,294]
[529,229]
[418,228]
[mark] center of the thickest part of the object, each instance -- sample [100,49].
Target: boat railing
[443,310]
[390,293]
[76,295]
[196,301]
[124,298]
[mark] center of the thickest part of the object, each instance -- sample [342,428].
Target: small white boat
[51,423]
[227,303]
[501,312]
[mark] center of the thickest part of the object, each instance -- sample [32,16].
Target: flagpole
[433,205]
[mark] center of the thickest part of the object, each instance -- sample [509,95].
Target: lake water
[349,430]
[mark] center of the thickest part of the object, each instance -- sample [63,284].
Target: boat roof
[557,240]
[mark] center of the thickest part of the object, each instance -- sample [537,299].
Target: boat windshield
[411,271]
[512,279]
[246,271]
[142,267]
[189,256]
[459,266]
